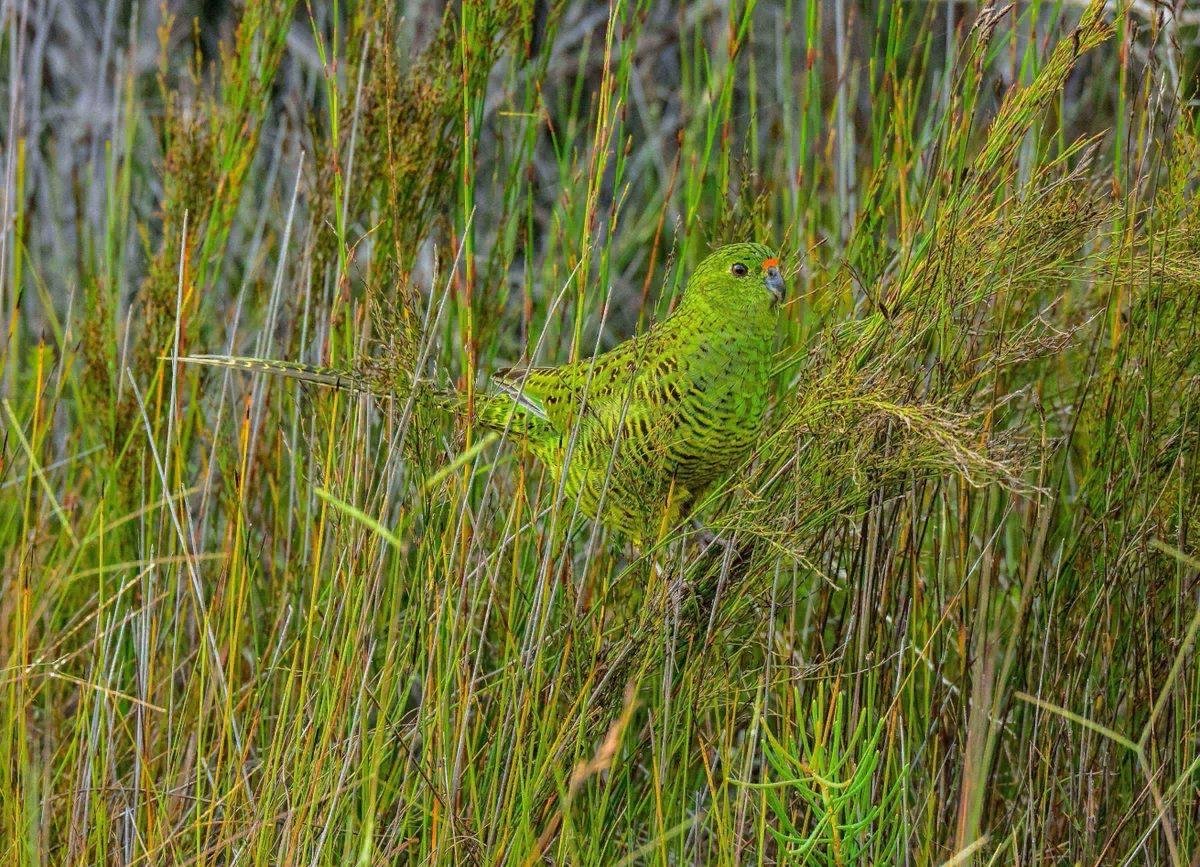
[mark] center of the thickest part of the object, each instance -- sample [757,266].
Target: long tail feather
[499,411]
[345,380]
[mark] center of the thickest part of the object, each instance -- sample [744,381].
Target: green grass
[245,621]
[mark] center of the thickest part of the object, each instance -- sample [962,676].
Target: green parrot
[638,433]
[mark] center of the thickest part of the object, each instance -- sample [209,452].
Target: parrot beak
[775,284]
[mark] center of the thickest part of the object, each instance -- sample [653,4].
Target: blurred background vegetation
[245,621]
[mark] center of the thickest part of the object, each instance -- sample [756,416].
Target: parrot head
[738,279]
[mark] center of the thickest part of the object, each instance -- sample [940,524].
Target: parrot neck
[699,313]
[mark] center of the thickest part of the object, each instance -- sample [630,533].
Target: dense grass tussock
[248,621]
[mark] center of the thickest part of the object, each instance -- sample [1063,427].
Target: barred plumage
[644,429]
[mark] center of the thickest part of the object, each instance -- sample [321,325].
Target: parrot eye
[739,270]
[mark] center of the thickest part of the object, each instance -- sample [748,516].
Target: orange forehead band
[770,263]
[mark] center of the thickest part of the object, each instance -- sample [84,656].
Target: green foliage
[825,790]
[243,619]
